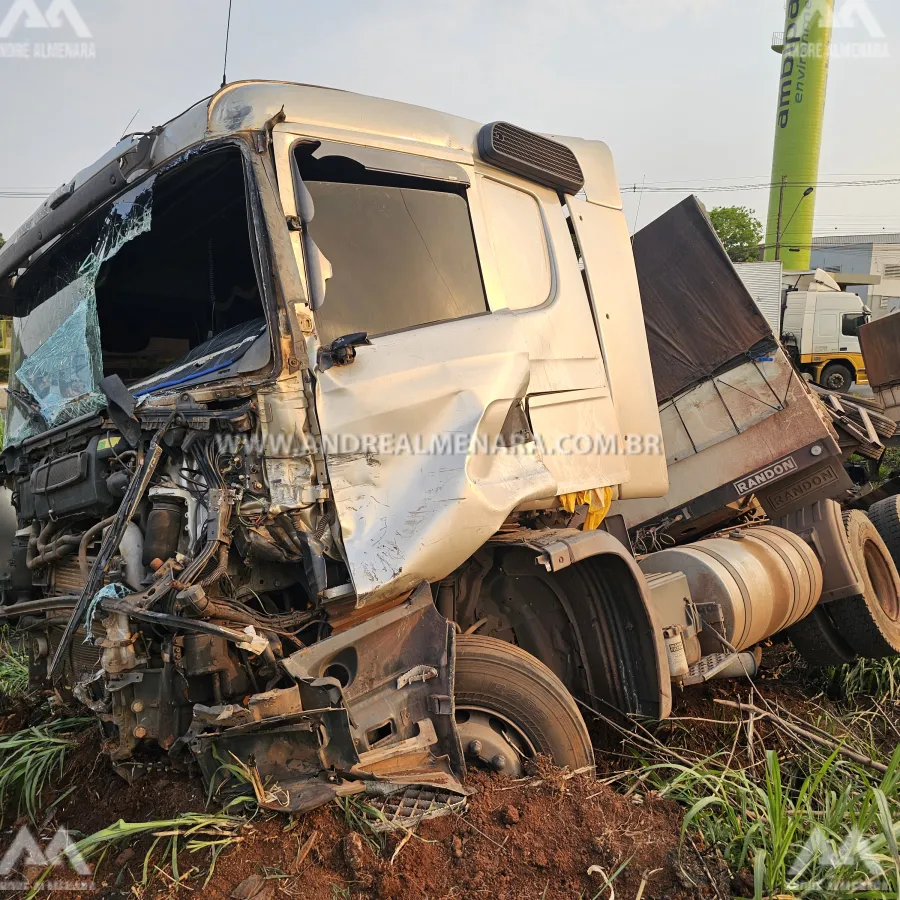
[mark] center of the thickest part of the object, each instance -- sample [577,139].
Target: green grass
[31,759]
[34,758]
[867,679]
[793,828]
[13,667]
[797,820]
[889,462]
[191,832]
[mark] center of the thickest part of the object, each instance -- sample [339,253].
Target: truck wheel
[818,642]
[511,707]
[870,623]
[885,516]
[837,377]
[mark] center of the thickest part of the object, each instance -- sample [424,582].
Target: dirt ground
[534,838]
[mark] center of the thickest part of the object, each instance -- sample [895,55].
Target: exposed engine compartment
[185,610]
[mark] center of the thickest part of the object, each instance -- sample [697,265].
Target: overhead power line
[807,246]
[759,186]
[699,185]
[742,179]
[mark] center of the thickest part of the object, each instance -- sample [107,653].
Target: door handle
[342,351]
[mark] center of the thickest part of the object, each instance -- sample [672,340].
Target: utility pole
[780,211]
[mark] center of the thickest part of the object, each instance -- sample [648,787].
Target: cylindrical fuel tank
[764,578]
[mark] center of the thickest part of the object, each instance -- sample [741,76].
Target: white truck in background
[820,329]
[816,319]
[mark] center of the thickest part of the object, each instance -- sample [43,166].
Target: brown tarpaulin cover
[699,315]
[880,344]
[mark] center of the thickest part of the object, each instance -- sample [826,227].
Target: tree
[2,240]
[739,230]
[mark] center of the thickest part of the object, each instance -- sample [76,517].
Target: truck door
[417,427]
[827,329]
[850,325]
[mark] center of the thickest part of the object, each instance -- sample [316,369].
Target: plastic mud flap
[608,611]
[372,712]
[820,524]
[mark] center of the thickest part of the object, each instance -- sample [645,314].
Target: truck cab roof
[247,106]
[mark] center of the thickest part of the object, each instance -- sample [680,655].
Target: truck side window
[850,324]
[401,249]
[519,241]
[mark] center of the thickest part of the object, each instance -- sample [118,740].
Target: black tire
[870,623]
[817,640]
[836,377]
[885,516]
[498,677]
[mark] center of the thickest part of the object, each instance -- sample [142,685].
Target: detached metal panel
[699,316]
[880,343]
[763,280]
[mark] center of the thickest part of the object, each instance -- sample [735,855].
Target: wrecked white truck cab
[317,405]
[466,279]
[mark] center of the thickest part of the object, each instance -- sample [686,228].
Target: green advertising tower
[804,46]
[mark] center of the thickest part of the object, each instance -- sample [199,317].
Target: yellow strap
[598,501]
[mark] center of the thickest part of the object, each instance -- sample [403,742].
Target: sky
[683,91]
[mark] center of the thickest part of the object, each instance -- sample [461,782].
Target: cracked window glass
[56,361]
[179,303]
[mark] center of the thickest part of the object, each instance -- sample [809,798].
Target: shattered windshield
[57,362]
[160,287]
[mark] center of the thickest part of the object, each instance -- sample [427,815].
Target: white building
[864,254]
[763,280]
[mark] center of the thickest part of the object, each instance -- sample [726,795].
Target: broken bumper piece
[372,712]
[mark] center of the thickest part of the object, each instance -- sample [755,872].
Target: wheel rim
[835,381]
[882,582]
[492,740]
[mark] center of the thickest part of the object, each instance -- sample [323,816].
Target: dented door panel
[409,512]
[407,516]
